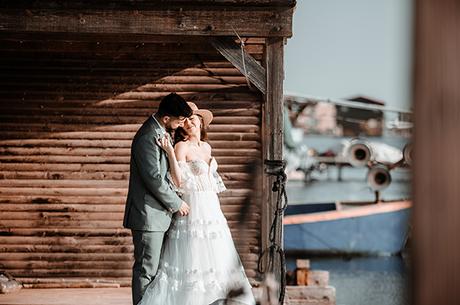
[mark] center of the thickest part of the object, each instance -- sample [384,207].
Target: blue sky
[344,48]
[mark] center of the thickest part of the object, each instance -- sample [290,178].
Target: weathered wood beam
[276,22]
[273,140]
[114,38]
[142,4]
[243,61]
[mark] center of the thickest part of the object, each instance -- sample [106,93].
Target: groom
[151,200]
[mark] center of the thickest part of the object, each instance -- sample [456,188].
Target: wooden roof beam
[243,61]
[272,22]
[141,4]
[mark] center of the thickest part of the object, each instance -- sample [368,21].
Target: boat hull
[373,229]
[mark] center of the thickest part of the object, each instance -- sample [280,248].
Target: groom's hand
[184,209]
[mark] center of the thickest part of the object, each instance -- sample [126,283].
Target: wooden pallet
[312,287]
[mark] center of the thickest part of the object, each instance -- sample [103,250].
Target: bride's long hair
[181,135]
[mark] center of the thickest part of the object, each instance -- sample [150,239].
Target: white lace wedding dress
[199,263]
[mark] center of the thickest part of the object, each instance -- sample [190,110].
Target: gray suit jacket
[151,200]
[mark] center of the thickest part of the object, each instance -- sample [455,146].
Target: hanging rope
[246,75]
[276,168]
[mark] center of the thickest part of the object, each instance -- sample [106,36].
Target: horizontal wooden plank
[102,159]
[100,191]
[119,107]
[144,4]
[59,151]
[22,94]
[186,84]
[122,119]
[76,265]
[48,280]
[66,240]
[50,127]
[91,215]
[95,283]
[113,144]
[249,251]
[115,136]
[96,167]
[210,99]
[53,216]
[92,224]
[74,245]
[63,175]
[91,171]
[154,87]
[64,159]
[148,106]
[71,265]
[107,37]
[63,191]
[113,73]
[70,167]
[81,272]
[64,253]
[89,283]
[107,109]
[57,175]
[15,207]
[90,272]
[82,232]
[112,47]
[26,151]
[85,208]
[235,199]
[39,200]
[182,21]
[96,240]
[47,62]
[95,212]
[66,249]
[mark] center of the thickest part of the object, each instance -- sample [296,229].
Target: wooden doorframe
[272,136]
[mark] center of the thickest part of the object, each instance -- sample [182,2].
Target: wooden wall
[69,107]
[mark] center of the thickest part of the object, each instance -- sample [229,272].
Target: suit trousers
[147,250]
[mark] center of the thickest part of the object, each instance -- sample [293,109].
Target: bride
[199,264]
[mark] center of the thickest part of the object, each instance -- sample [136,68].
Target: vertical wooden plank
[436,248]
[272,134]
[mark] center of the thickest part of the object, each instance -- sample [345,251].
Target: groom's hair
[174,105]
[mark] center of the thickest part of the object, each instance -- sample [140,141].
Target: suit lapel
[153,124]
[158,132]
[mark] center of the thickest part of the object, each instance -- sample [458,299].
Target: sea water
[364,280]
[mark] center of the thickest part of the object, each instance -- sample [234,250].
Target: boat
[365,228]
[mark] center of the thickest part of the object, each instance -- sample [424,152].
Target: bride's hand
[165,143]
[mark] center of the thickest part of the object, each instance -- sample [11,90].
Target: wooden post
[302,276]
[436,246]
[272,136]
